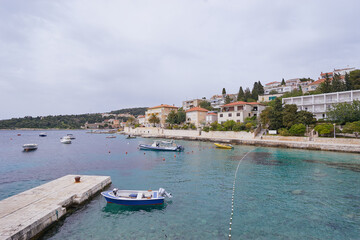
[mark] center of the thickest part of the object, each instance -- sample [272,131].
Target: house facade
[319,104]
[186,105]
[196,116]
[211,117]
[239,111]
[161,111]
[141,120]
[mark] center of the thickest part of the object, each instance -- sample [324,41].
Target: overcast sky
[83,56]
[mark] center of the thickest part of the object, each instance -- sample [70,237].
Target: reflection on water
[121,209]
[349,166]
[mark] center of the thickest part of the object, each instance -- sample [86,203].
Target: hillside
[133,111]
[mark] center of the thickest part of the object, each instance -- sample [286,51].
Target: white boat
[42,134]
[71,136]
[162,146]
[66,140]
[30,147]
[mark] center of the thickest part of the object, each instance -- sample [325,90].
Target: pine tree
[241,95]
[223,92]
[227,99]
[260,88]
[336,84]
[325,87]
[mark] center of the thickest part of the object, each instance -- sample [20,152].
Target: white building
[141,120]
[239,111]
[211,117]
[186,105]
[319,104]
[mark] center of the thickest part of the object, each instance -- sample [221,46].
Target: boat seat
[140,196]
[148,195]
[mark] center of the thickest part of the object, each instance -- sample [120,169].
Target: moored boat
[130,137]
[42,134]
[162,146]
[223,145]
[30,147]
[65,140]
[112,136]
[136,197]
[70,136]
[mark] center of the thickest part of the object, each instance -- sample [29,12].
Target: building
[161,111]
[217,101]
[269,97]
[319,104]
[196,116]
[211,117]
[186,105]
[239,111]
[141,120]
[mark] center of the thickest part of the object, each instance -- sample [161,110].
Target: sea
[278,193]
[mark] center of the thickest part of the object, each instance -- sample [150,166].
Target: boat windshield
[164,144]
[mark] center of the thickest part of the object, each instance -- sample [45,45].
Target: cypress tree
[283,82]
[255,91]
[223,91]
[260,88]
[348,85]
[247,94]
[241,95]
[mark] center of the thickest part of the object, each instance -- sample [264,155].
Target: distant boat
[130,136]
[70,136]
[43,134]
[19,134]
[224,146]
[162,146]
[111,136]
[136,197]
[65,140]
[30,147]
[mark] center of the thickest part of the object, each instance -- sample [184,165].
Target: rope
[232,199]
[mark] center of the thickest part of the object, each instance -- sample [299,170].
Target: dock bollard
[77,179]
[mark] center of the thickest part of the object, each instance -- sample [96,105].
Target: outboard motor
[115,190]
[180,148]
[163,193]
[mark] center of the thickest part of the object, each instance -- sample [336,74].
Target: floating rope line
[233,193]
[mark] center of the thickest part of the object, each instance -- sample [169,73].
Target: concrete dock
[26,214]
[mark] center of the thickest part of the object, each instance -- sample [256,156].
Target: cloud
[94,56]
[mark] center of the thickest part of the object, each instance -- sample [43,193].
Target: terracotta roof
[141,116]
[240,103]
[271,83]
[163,106]
[317,81]
[198,109]
[212,114]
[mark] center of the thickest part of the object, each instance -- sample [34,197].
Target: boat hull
[223,146]
[131,202]
[149,147]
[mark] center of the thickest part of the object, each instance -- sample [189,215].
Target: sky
[87,56]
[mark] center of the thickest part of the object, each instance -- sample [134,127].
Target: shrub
[185,127]
[297,129]
[325,129]
[175,126]
[284,132]
[192,126]
[206,129]
[352,127]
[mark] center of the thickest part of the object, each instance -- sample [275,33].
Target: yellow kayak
[225,146]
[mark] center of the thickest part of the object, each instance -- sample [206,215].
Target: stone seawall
[338,145]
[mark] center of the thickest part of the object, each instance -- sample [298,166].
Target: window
[229,114]
[238,114]
[221,115]
[249,114]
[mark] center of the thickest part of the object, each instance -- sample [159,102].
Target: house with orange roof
[161,111]
[211,117]
[239,111]
[196,116]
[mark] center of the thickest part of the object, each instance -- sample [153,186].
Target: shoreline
[306,145]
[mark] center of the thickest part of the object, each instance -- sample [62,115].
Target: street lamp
[334,130]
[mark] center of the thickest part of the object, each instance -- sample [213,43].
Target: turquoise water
[280,193]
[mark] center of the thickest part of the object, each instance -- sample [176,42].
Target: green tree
[241,95]
[154,119]
[348,84]
[336,84]
[228,125]
[273,92]
[297,130]
[255,92]
[345,112]
[355,79]
[353,127]
[305,117]
[172,117]
[260,88]
[227,99]
[275,115]
[223,91]
[247,94]
[181,116]
[325,87]
[283,82]
[264,116]
[206,105]
[326,129]
[289,115]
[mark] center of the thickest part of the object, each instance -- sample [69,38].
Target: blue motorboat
[162,146]
[136,197]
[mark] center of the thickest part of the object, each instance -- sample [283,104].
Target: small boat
[162,146]
[112,136]
[65,140]
[136,197]
[42,134]
[70,136]
[224,146]
[130,137]
[30,147]
[19,134]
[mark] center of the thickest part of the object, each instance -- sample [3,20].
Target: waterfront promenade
[248,138]
[27,214]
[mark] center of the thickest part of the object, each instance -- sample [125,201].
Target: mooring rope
[233,193]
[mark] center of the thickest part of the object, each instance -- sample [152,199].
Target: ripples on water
[280,193]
